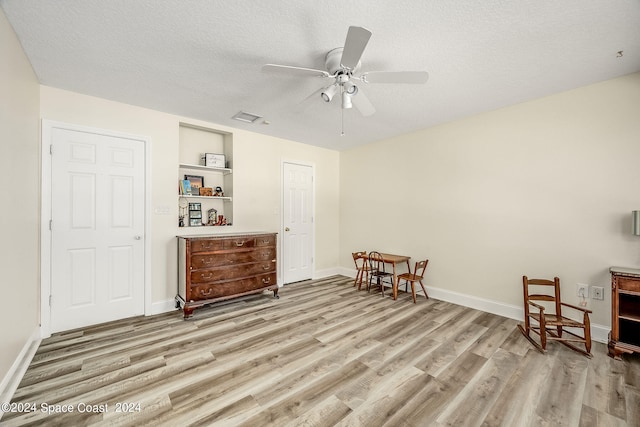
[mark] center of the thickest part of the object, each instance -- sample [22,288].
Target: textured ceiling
[203,58]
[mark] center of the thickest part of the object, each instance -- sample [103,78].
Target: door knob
[286,229]
[138,237]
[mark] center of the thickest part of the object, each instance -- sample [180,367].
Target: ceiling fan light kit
[343,64]
[346,101]
[327,94]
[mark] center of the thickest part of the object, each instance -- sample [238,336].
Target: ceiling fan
[342,66]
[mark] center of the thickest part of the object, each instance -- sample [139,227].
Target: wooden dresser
[625,311]
[219,267]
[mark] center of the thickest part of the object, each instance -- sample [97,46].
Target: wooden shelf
[226,199]
[224,171]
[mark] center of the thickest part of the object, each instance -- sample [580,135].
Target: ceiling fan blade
[363,104]
[410,77]
[357,39]
[293,71]
[304,104]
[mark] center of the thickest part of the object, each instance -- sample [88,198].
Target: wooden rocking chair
[552,325]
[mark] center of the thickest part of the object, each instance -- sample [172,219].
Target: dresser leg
[275,293]
[188,312]
[614,352]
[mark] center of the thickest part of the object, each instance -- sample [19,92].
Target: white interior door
[298,237]
[97,229]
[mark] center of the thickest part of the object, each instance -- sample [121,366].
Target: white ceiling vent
[246,117]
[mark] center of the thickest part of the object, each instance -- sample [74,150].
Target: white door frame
[47,128]
[313,215]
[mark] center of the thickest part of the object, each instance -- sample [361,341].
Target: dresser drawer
[627,284]
[205,245]
[231,272]
[266,240]
[239,242]
[232,287]
[232,258]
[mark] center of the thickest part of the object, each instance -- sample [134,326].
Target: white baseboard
[12,379]
[163,307]
[327,272]
[599,333]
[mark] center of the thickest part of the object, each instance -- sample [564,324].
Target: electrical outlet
[582,290]
[597,292]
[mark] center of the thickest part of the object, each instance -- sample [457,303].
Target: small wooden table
[394,260]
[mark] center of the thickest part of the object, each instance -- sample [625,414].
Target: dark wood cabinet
[219,267]
[625,311]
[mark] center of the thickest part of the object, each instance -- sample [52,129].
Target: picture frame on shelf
[195,222]
[195,181]
[213,160]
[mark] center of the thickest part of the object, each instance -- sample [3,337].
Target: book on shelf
[185,187]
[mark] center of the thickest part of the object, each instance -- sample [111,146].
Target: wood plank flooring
[324,354]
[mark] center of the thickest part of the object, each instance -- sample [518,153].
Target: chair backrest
[376,262]
[357,256]
[421,266]
[552,294]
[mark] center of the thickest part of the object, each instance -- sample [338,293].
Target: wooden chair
[362,266]
[416,276]
[551,325]
[377,271]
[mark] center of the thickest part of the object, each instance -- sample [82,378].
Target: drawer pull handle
[208,276]
[206,261]
[266,267]
[238,244]
[207,246]
[267,280]
[204,294]
[266,241]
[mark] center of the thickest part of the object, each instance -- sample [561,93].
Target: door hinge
[50,299]
[50,224]
[50,148]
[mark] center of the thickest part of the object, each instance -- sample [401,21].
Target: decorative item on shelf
[212,160]
[221,220]
[196,182]
[195,214]
[206,191]
[219,192]
[183,204]
[185,187]
[212,216]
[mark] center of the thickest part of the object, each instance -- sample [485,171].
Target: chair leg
[587,333]
[526,332]
[424,290]
[413,291]
[358,276]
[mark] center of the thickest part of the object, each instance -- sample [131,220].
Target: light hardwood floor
[324,354]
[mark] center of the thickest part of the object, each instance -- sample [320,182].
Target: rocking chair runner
[551,326]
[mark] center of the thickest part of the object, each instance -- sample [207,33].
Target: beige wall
[257,166]
[19,216]
[542,188]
